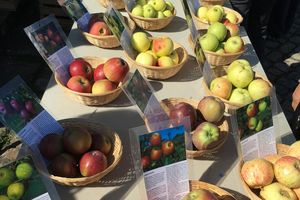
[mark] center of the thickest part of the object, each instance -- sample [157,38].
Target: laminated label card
[256,130]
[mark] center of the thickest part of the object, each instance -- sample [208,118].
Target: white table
[220,168]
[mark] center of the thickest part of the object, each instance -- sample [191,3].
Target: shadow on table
[250,55]
[178,24]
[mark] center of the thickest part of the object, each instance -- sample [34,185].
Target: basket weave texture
[118,4]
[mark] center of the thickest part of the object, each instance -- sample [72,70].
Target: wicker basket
[161,73]
[227,102]
[118,4]
[151,24]
[219,192]
[113,158]
[202,24]
[109,41]
[211,2]
[90,99]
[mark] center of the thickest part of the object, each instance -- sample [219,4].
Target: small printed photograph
[20,180]
[162,148]
[49,39]
[254,117]
[75,9]
[114,23]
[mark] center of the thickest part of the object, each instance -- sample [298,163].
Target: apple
[240,73]
[158,5]
[234,44]
[252,123]
[231,17]
[277,191]
[145,161]
[92,162]
[141,2]
[149,11]
[7,176]
[209,42]
[167,148]
[259,126]
[174,56]
[160,15]
[103,86]
[79,84]
[170,6]
[294,150]
[51,145]
[200,194]
[101,143]
[155,154]
[257,173]
[201,13]
[155,139]
[154,56]
[205,136]
[77,140]
[98,73]
[180,112]
[24,171]
[167,13]
[262,106]
[287,171]
[140,41]
[15,191]
[214,14]
[115,69]
[220,8]
[251,110]
[258,89]
[4,197]
[272,158]
[232,28]
[221,87]
[165,61]
[211,108]
[145,58]
[220,50]
[240,96]
[25,115]
[137,11]
[80,67]
[218,29]
[16,104]
[162,46]
[64,165]
[100,29]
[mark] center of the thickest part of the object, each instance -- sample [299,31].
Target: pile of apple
[240,86]
[277,176]
[98,27]
[222,38]
[157,51]
[104,78]
[203,120]
[153,9]
[215,14]
[77,152]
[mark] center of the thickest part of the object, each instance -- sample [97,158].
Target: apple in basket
[200,194]
[140,41]
[240,73]
[277,191]
[258,89]
[51,145]
[92,162]
[206,135]
[98,73]
[102,143]
[181,112]
[64,165]
[102,86]
[79,67]
[211,108]
[233,44]
[99,29]
[162,46]
[215,14]
[79,84]
[294,150]
[232,28]
[115,69]
[221,87]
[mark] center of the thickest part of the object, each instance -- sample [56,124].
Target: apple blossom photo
[254,117]
[161,148]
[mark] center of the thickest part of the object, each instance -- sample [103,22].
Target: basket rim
[150,19]
[226,54]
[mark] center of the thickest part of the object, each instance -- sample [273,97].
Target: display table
[219,168]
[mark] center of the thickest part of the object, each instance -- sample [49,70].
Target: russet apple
[240,96]
[51,145]
[232,28]
[218,29]
[158,5]
[92,162]
[294,150]
[162,46]
[211,108]
[98,73]
[240,73]
[209,42]
[206,136]
[200,194]
[167,148]
[64,165]
[214,14]
[145,58]
[140,41]
[221,87]
[234,44]
[103,86]
[79,84]
[277,191]
[100,29]
[251,110]
[180,112]
[231,17]
[115,69]
[258,89]
[137,10]
[165,61]
[80,67]
[149,11]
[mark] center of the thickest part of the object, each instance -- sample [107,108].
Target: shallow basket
[211,2]
[113,158]
[219,192]
[161,73]
[109,41]
[151,24]
[90,99]
[118,4]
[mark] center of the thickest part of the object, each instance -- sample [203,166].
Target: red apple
[232,28]
[145,161]
[92,162]
[51,145]
[16,104]
[95,18]
[115,69]
[64,165]
[180,112]
[103,86]
[80,67]
[79,84]
[50,33]
[29,105]
[167,148]
[155,139]
[102,143]
[155,154]
[99,29]
[98,73]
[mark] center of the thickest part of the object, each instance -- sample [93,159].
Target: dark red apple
[95,18]
[80,67]
[30,106]
[51,145]
[99,29]
[17,105]
[77,140]
[64,165]
[155,139]
[102,143]
[50,33]
[92,162]
[115,69]
[181,112]
[167,148]
[145,161]
[155,154]
[79,84]
[98,73]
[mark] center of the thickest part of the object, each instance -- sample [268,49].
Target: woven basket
[161,73]
[151,24]
[227,102]
[202,24]
[90,99]
[113,158]
[118,4]
[211,2]
[219,192]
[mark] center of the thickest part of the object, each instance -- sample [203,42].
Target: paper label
[75,9]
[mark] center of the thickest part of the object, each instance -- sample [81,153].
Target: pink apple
[232,28]
[115,69]
[98,73]
[80,67]
[221,87]
[92,163]
[99,29]
[162,46]
[103,86]
[79,84]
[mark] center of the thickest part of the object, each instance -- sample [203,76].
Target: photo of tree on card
[114,23]
[254,117]
[162,148]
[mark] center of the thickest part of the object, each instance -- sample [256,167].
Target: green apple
[175,57]
[221,87]
[158,5]
[220,50]
[4,197]
[231,17]
[149,11]
[137,10]
[168,13]
[240,96]
[162,46]
[170,6]
[201,13]
[262,106]
[205,136]
[24,171]
[160,15]
[240,73]
[145,59]
[141,2]
[214,14]
[218,29]
[252,123]
[165,61]
[234,44]
[277,191]
[7,176]
[153,54]
[221,9]
[259,126]
[140,41]
[15,191]
[258,89]
[209,42]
